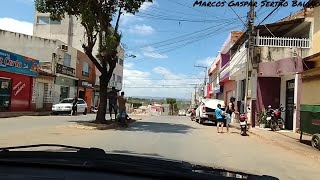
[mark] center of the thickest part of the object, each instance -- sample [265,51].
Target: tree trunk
[102,110]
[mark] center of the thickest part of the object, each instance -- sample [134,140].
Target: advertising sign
[84,83]
[66,70]
[15,63]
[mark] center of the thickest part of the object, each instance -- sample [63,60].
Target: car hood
[63,104]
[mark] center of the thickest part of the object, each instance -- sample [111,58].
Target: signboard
[65,70]
[84,83]
[15,63]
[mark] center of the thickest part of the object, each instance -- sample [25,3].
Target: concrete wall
[48,95]
[316,31]
[310,91]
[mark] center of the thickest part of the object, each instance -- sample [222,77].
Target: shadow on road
[306,142]
[157,127]
[135,153]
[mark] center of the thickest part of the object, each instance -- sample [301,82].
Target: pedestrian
[112,96]
[74,106]
[122,104]
[229,112]
[219,117]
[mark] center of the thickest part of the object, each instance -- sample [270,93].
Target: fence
[282,42]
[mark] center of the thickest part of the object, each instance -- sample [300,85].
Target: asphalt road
[169,137]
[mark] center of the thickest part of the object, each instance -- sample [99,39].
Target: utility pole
[205,75]
[250,32]
[195,94]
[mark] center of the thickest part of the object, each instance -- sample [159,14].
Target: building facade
[54,56]
[16,81]
[70,31]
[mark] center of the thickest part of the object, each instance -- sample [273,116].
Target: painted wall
[48,95]
[237,63]
[81,59]
[21,91]
[268,92]
[280,67]
[229,87]
[310,90]
[316,31]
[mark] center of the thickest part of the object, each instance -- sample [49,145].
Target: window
[67,60]
[119,79]
[121,62]
[81,102]
[85,69]
[43,20]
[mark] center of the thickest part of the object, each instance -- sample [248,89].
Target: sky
[168,38]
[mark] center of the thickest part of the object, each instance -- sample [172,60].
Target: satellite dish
[124,45]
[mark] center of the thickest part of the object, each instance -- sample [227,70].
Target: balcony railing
[282,42]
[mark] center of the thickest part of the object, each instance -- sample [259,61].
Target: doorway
[81,94]
[40,96]
[5,94]
[289,104]
[64,92]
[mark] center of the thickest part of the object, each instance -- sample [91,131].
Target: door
[289,105]
[5,94]
[64,92]
[81,94]
[40,96]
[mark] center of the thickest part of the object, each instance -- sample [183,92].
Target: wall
[268,92]
[237,63]
[34,47]
[227,87]
[21,91]
[310,91]
[82,58]
[48,95]
[316,31]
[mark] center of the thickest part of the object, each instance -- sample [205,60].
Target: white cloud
[128,65]
[141,29]
[127,18]
[14,25]
[206,61]
[147,48]
[162,77]
[155,55]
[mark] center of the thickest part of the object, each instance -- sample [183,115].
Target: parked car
[205,113]
[65,106]
[182,112]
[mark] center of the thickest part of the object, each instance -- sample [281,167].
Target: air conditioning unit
[64,47]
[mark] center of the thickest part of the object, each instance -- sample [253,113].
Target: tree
[171,101]
[96,17]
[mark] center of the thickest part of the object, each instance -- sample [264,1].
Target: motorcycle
[122,119]
[274,118]
[243,124]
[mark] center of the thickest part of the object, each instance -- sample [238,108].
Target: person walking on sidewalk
[219,118]
[112,96]
[230,110]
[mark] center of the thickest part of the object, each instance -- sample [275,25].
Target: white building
[70,31]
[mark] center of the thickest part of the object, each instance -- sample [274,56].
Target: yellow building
[311,76]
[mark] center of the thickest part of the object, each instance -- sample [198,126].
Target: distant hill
[158,98]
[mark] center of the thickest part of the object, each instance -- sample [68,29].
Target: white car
[182,112]
[205,113]
[65,106]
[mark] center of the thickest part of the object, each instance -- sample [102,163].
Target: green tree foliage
[96,17]
[171,101]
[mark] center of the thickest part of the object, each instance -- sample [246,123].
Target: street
[170,137]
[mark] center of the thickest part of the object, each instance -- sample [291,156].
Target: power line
[268,15]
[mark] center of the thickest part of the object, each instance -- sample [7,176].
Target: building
[43,88]
[16,81]
[70,31]
[85,72]
[311,74]
[215,90]
[54,56]
[274,79]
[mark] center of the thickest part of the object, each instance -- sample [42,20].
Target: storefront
[85,91]
[65,83]
[16,81]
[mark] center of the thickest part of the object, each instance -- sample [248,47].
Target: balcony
[224,73]
[282,42]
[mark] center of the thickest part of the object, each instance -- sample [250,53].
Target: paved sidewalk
[285,139]
[29,113]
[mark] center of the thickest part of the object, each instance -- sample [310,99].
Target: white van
[205,113]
